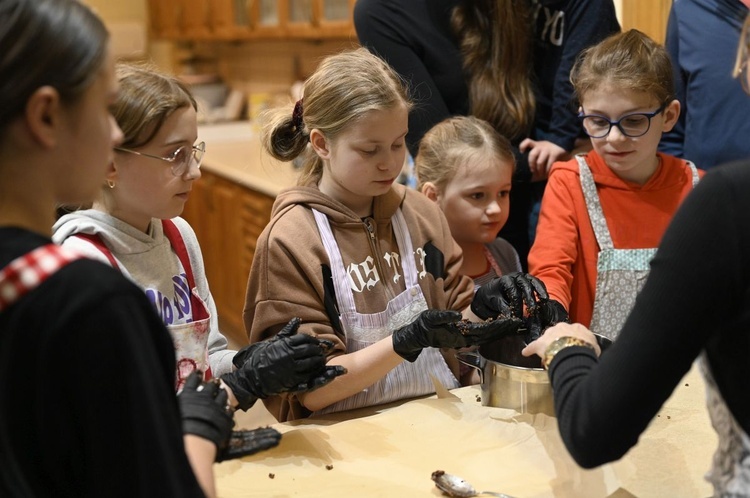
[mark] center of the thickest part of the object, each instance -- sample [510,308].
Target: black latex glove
[511,295]
[445,329]
[548,313]
[243,443]
[507,295]
[203,407]
[286,362]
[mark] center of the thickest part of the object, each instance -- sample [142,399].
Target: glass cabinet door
[268,13]
[300,12]
[335,10]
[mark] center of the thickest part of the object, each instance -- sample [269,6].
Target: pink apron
[190,339]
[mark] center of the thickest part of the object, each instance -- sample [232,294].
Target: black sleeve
[134,420]
[384,28]
[113,391]
[672,141]
[696,297]
[587,22]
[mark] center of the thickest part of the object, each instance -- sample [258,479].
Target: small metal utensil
[455,486]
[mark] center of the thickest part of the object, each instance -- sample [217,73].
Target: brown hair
[630,61]
[146,99]
[343,88]
[495,37]
[447,145]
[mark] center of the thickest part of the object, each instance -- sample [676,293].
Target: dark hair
[57,43]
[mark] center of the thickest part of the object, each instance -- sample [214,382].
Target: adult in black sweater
[522,89]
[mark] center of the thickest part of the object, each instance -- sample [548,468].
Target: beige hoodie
[290,275]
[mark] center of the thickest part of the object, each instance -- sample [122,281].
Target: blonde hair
[630,61]
[742,50]
[146,99]
[495,37]
[447,144]
[343,88]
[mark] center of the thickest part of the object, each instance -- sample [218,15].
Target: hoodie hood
[384,206]
[119,236]
[663,177]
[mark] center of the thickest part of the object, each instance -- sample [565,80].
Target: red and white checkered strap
[25,273]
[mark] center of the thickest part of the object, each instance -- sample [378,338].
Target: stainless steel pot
[510,380]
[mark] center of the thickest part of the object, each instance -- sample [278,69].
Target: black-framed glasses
[180,159]
[632,125]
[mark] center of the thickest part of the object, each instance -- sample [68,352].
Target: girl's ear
[320,144]
[671,115]
[112,173]
[43,119]
[431,191]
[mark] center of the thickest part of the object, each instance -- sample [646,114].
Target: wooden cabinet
[228,219]
[649,16]
[166,18]
[251,19]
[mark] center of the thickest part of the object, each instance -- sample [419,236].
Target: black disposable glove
[286,362]
[548,313]
[445,329]
[507,295]
[203,407]
[243,443]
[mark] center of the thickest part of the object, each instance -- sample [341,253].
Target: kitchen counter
[233,151]
[391,451]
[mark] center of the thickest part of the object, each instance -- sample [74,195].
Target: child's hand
[542,155]
[510,295]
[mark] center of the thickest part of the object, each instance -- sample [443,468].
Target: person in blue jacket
[713,126]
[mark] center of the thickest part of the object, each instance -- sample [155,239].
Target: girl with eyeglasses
[135,227]
[134,224]
[604,212]
[694,307]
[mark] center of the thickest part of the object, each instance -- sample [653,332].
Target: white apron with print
[730,469]
[190,339]
[407,380]
[621,273]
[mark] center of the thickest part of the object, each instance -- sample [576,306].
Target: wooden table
[391,451]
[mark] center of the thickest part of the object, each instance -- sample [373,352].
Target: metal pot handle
[471,359]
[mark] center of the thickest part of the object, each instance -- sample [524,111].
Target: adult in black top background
[694,305]
[523,90]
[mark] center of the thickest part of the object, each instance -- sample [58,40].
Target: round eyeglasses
[180,159]
[632,125]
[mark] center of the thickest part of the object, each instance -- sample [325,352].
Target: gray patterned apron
[621,273]
[730,469]
[407,380]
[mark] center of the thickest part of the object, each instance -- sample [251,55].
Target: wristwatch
[561,343]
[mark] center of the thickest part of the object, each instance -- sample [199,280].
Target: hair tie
[297,115]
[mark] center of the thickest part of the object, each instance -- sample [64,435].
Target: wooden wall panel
[649,16]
